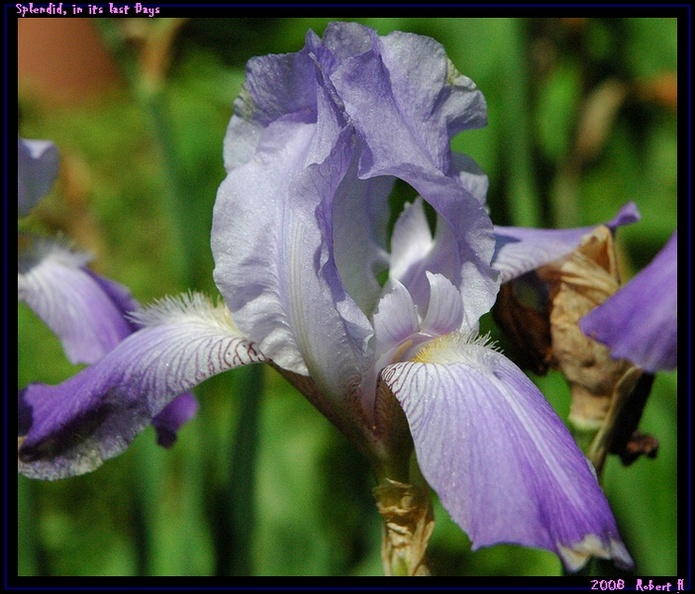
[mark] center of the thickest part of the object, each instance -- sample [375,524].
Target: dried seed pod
[603,389]
[608,395]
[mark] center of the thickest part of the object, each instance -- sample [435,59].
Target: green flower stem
[241,487]
[147,492]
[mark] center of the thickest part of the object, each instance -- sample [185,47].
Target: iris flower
[651,297]
[378,330]
[86,311]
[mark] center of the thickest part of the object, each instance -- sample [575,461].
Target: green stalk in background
[523,203]
[237,560]
[146,73]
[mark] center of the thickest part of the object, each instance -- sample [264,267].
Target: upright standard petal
[84,310]
[520,250]
[38,162]
[639,322]
[415,254]
[71,428]
[299,231]
[406,101]
[275,267]
[404,96]
[503,464]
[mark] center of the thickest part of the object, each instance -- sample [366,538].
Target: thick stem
[408,525]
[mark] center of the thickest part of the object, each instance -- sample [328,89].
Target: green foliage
[145,170]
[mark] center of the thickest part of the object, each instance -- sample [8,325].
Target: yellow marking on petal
[452,348]
[402,349]
[193,305]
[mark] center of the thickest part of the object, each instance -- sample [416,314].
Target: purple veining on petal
[504,465]
[71,428]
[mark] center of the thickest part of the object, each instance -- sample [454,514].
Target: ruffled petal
[73,427]
[38,162]
[405,101]
[519,250]
[404,96]
[503,464]
[639,322]
[84,310]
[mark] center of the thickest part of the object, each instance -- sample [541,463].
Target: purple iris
[87,312]
[378,332]
[651,298]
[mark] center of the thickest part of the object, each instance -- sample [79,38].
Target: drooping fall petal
[83,309]
[73,427]
[504,465]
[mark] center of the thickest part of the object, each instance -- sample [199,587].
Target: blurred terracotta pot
[63,60]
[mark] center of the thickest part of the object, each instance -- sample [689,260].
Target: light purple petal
[503,464]
[404,95]
[519,249]
[85,310]
[274,263]
[395,321]
[445,310]
[322,133]
[639,322]
[38,162]
[411,241]
[414,252]
[253,242]
[406,100]
[173,416]
[71,428]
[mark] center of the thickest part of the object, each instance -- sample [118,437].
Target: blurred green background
[582,118]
